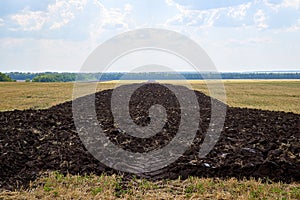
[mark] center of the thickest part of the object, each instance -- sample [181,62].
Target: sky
[59,35]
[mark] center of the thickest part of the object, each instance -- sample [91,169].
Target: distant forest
[69,77]
[5,78]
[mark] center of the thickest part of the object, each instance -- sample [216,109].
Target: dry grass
[57,186]
[271,95]
[20,95]
[279,95]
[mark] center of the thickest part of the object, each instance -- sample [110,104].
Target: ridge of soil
[253,143]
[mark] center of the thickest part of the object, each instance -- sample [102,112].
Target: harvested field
[254,143]
[276,95]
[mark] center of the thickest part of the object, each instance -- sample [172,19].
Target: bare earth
[279,95]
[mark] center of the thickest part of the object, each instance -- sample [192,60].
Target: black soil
[253,143]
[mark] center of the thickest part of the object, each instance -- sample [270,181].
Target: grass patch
[114,187]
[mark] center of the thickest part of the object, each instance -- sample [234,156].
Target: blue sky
[58,35]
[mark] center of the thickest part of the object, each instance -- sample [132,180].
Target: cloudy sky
[240,35]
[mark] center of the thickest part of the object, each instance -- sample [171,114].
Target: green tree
[5,78]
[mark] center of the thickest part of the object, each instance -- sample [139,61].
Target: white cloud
[86,19]
[57,15]
[64,32]
[29,20]
[128,7]
[169,2]
[67,13]
[260,19]
[62,12]
[261,14]
[192,17]
[1,22]
[230,16]
[284,4]
[239,12]
[110,19]
[291,3]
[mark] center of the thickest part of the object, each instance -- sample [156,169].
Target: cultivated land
[271,95]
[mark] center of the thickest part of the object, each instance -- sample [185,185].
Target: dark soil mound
[253,143]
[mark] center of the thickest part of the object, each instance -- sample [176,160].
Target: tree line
[69,77]
[5,78]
